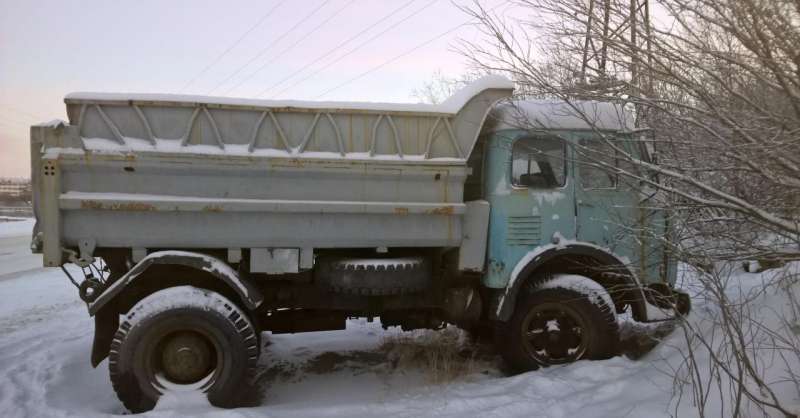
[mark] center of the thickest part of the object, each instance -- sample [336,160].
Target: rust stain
[91,204]
[213,208]
[443,210]
[127,207]
[289,162]
[401,211]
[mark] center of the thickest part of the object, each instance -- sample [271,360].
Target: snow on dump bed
[55,123]
[123,122]
[110,147]
[451,105]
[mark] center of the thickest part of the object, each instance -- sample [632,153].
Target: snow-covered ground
[15,238]
[46,336]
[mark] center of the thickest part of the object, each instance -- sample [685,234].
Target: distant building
[15,189]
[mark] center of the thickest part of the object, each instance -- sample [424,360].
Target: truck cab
[202,224]
[560,180]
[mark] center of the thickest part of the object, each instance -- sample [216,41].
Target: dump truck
[201,224]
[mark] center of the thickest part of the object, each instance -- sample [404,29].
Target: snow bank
[16,227]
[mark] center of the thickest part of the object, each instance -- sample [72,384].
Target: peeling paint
[443,210]
[126,207]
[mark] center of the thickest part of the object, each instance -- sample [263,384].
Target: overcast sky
[50,48]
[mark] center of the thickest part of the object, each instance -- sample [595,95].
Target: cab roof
[561,115]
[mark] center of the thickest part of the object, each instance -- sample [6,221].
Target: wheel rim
[554,333]
[184,357]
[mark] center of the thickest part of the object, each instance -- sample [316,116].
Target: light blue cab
[554,208]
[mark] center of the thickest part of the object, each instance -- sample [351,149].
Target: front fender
[614,270]
[107,320]
[249,294]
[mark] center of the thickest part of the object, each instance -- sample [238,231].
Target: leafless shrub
[444,355]
[739,351]
[717,82]
[441,86]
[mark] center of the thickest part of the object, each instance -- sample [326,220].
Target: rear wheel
[556,325]
[184,339]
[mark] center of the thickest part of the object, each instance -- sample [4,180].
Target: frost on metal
[121,122]
[218,268]
[176,297]
[597,294]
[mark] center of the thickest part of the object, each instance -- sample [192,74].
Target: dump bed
[143,172]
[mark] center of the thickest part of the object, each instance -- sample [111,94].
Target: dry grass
[444,355]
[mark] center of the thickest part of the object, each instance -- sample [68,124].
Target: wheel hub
[187,357]
[554,334]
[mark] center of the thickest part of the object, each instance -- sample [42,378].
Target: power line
[264,50]
[233,45]
[365,73]
[401,55]
[287,49]
[336,48]
[331,51]
[376,36]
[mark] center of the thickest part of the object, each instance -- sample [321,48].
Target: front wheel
[556,325]
[184,339]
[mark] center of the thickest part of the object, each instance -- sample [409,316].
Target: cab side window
[597,162]
[538,162]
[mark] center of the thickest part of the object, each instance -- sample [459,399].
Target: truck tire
[379,276]
[182,338]
[556,326]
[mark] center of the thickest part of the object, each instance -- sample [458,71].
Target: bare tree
[441,86]
[718,84]
[717,80]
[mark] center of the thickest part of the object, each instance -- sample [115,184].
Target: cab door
[605,201]
[531,195]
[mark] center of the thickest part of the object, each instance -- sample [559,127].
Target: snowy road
[46,335]
[15,254]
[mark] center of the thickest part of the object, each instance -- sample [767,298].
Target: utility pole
[633,29]
[601,30]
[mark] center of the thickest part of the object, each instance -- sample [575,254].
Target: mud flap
[683,303]
[666,298]
[106,322]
